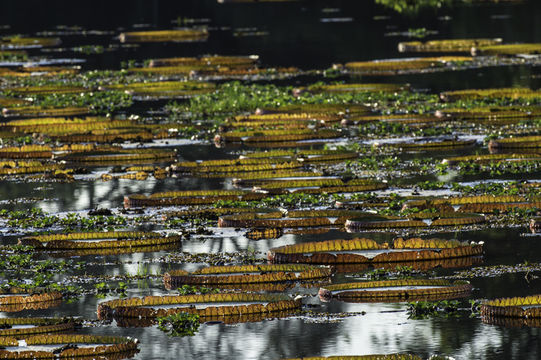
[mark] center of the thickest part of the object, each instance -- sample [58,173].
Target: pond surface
[308,35]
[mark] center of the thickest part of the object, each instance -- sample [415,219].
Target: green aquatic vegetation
[399,272]
[385,128]
[192,289]
[426,309]
[290,200]
[418,32]
[376,163]
[89,49]
[408,6]
[99,102]
[38,219]
[179,324]
[492,188]
[24,271]
[431,185]
[13,56]
[235,97]
[102,289]
[499,167]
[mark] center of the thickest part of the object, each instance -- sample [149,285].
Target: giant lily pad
[405,66]
[447,45]
[215,60]
[362,357]
[409,289]
[245,274]
[98,240]
[15,299]
[196,197]
[18,42]
[165,89]
[533,141]
[208,305]
[414,220]
[511,93]
[19,327]
[508,49]
[298,218]
[528,307]
[362,250]
[95,346]
[164,35]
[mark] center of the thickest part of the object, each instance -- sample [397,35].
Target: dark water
[299,34]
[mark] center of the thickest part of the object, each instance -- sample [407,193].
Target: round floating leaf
[398,66]
[490,113]
[381,87]
[212,305]
[428,143]
[508,49]
[33,326]
[516,142]
[511,93]
[442,219]
[368,251]
[447,45]
[190,197]
[215,60]
[28,111]
[19,42]
[362,357]
[165,89]
[515,307]
[18,299]
[98,240]
[393,289]
[164,35]
[294,219]
[104,347]
[245,274]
